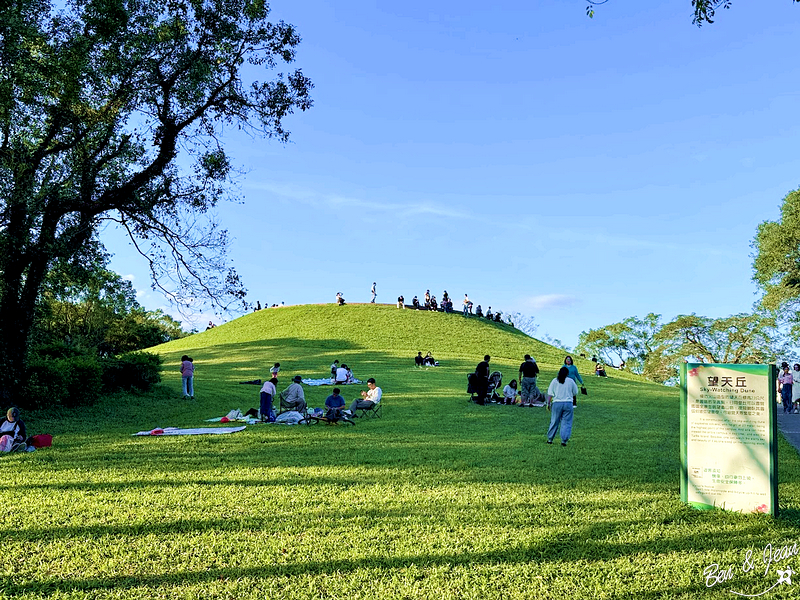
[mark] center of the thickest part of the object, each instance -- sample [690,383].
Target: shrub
[70,381]
[140,370]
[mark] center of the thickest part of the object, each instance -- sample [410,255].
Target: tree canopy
[776,264]
[99,99]
[704,10]
[656,350]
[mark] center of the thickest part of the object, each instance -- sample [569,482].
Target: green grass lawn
[439,499]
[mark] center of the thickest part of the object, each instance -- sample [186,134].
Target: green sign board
[729,450]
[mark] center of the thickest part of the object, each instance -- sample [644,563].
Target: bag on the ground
[6,443]
[42,440]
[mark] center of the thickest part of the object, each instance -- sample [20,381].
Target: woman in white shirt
[796,387]
[561,398]
[510,392]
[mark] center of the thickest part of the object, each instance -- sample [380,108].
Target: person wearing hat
[528,372]
[293,397]
[14,427]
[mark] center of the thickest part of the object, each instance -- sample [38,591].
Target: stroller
[474,388]
[495,381]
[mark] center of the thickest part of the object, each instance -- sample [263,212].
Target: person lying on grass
[334,403]
[369,399]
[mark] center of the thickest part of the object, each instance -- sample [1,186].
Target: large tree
[776,264]
[630,341]
[113,109]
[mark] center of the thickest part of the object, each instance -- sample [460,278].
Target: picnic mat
[198,431]
[328,381]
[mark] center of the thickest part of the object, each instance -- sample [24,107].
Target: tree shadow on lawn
[590,543]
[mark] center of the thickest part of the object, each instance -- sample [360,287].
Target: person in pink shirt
[187,374]
[785,388]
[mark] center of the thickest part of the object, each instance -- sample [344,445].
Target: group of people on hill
[257,307]
[293,397]
[560,399]
[446,305]
[425,361]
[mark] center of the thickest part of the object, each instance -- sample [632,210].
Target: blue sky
[576,170]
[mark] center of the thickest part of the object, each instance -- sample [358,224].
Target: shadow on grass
[582,545]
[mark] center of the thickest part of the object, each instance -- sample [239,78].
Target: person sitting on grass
[14,428]
[600,370]
[429,361]
[335,404]
[510,392]
[418,360]
[293,397]
[369,398]
[340,377]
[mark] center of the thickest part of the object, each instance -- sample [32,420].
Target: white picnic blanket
[328,381]
[198,431]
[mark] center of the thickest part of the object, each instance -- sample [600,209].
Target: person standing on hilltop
[374,293]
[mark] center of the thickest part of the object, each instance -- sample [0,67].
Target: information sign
[729,437]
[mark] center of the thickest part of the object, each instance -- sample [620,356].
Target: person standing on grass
[374,293]
[528,372]
[482,372]
[785,388]
[275,370]
[796,387]
[573,370]
[562,396]
[187,375]
[268,391]
[369,398]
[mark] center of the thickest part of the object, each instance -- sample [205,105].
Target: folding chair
[373,412]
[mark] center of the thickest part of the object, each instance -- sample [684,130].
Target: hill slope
[315,335]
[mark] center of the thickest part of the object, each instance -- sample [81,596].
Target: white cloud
[407,209]
[546,301]
[128,277]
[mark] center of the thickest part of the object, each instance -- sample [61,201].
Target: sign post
[729,451]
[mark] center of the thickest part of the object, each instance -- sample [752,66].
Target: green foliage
[438,499]
[98,101]
[61,377]
[67,382]
[742,338]
[656,350]
[135,370]
[776,264]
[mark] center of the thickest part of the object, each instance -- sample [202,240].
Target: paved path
[789,426]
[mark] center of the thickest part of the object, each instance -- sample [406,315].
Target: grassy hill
[439,499]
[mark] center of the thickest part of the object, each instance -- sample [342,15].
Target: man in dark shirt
[528,372]
[482,371]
